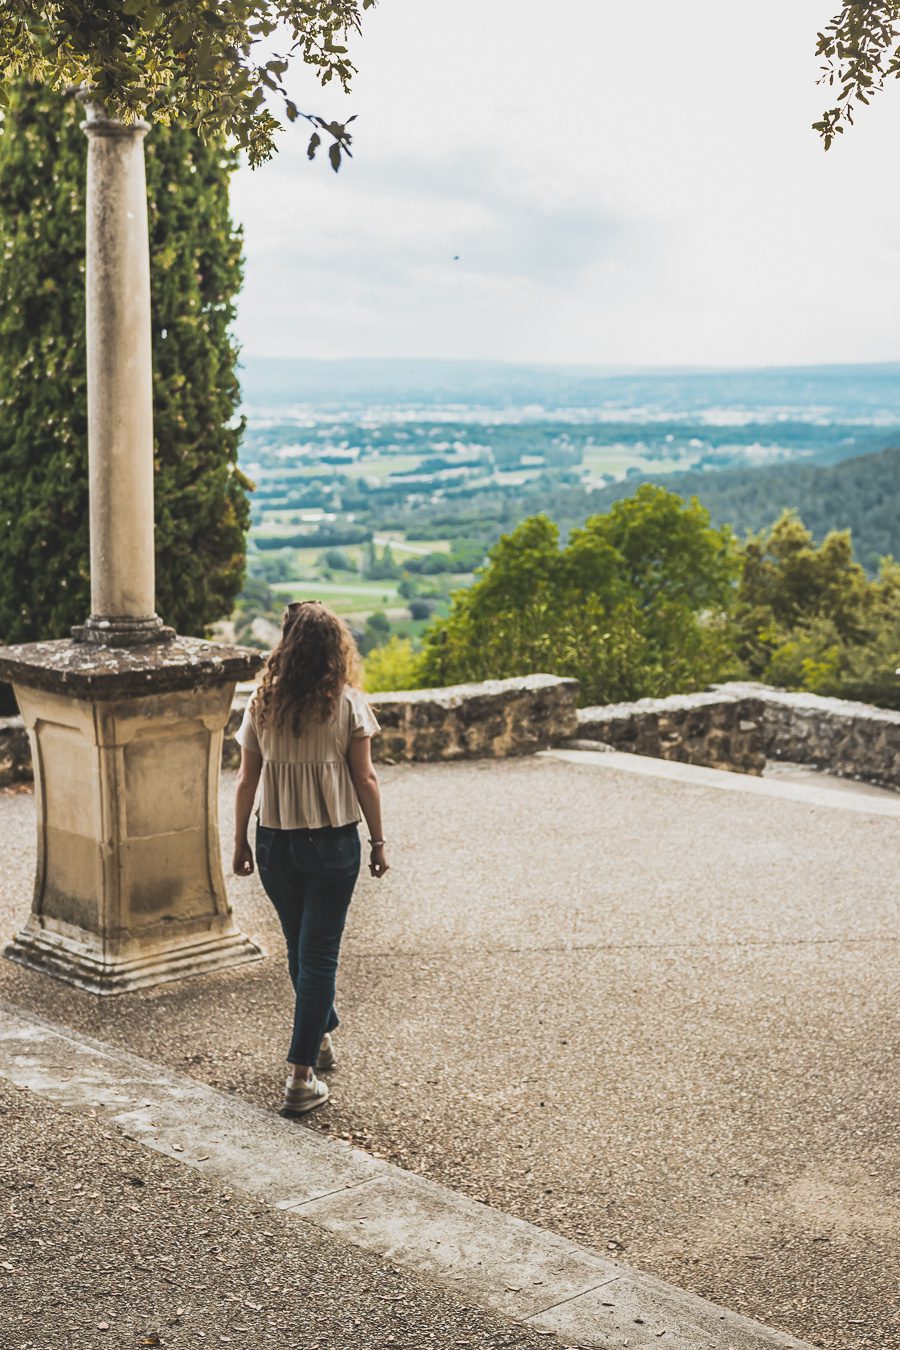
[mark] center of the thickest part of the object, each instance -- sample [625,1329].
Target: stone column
[120,387]
[125,728]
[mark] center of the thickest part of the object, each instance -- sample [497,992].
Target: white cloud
[635,185]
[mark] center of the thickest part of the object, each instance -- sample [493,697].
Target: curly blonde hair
[307,671]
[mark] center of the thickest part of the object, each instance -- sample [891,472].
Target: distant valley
[380,485]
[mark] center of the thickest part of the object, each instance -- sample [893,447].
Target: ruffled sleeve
[246,733]
[363,721]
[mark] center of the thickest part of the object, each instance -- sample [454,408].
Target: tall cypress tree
[202,509]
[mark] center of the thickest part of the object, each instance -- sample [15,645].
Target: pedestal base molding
[78,964]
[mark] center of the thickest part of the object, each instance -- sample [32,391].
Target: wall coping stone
[606,712]
[807,703]
[452,695]
[742,724]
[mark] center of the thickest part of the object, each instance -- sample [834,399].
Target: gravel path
[654,1017]
[105,1244]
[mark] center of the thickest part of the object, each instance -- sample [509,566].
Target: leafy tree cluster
[380,567]
[393,665]
[336,560]
[633,605]
[859,494]
[325,536]
[464,556]
[808,617]
[861,49]
[376,633]
[201,496]
[650,599]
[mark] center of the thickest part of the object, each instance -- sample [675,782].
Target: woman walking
[307,732]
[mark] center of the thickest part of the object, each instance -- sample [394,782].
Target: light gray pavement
[656,1017]
[490,1260]
[106,1244]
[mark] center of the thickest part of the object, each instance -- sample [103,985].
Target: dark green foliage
[859,494]
[861,49]
[634,605]
[807,617]
[464,556]
[429,564]
[643,601]
[325,535]
[377,632]
[380,567]
[201,497]
[336,560]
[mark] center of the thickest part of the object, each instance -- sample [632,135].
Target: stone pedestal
[126,746]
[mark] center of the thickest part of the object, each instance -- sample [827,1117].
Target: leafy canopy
[635,604]
[861,47]
[647,599]
[209,67]
[808,617]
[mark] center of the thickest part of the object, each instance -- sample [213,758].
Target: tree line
[651,598]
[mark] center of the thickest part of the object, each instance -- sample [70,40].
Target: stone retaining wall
[851,740]
[740,726]
[464,721]
[734,726]
[719,730]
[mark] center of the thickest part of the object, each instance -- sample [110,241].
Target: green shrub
[396,665]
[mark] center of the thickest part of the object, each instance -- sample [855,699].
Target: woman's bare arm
[248,780]
[365,781]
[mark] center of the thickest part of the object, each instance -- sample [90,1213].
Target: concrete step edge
[483,1255]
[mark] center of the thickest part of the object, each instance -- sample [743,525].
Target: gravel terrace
[106,1244]
[655,1017]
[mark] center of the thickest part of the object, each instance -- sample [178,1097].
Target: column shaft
[119,370]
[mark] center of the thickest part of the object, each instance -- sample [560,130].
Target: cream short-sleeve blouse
[305,781]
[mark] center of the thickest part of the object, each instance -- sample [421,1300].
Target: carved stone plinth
[126,746]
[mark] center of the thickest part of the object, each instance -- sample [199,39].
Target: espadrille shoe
[300,1097]
[326,1058]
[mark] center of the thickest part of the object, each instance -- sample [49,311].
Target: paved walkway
[488,1259]
[649,1014]
[107,1245]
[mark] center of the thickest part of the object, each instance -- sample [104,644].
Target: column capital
[97,123]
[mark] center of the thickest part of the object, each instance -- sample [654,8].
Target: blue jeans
[309,876]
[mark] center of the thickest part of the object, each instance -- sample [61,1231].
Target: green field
[345,598]
[373,466]
[617,460]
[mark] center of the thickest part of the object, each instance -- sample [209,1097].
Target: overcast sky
[635,185]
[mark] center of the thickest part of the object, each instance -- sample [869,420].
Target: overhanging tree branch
[177,60]
[861,47]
